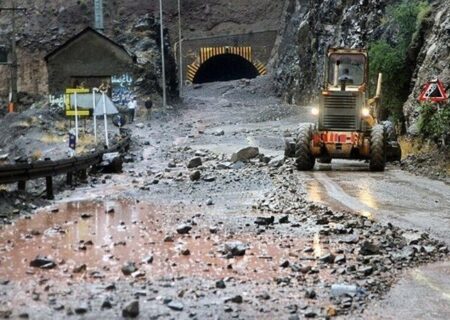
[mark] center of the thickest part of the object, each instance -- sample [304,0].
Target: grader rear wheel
[389,128]
[325,160]
[394,151]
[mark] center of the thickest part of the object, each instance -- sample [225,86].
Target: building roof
[79,35]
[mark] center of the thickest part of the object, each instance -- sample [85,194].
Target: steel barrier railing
[23,172]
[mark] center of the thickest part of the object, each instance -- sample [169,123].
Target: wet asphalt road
[255,118]
[393,196]
[402,199]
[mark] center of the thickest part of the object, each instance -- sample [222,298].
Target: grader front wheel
[289,148]
[305,160]
[377,149]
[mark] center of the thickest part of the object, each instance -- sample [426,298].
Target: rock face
[311,27]
[44,32]
[433,59]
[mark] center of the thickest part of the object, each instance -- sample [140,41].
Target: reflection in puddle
[317,246]
[323,189]
[365,195]
[314,191]
[85,233]
[367,214]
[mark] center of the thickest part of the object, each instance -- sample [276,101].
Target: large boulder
[245,154]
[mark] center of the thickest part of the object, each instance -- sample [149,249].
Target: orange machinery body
[340,145]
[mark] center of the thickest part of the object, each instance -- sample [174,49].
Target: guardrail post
[49,188]
[22,185]
[69,180]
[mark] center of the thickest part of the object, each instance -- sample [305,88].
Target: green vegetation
[434,122]
[391,59]
[82,4]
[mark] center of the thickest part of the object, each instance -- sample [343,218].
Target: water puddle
[324,190]
[104,236]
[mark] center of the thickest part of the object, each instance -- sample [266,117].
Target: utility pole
[98,13]
[180,66]
[163,66]
[13,55]
[13,62]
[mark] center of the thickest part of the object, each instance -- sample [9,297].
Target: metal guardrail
[23,172]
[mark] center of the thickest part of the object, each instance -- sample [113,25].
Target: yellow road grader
[347,125]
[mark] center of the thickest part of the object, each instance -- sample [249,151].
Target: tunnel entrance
[225,67]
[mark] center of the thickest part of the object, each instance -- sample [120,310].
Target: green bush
[434,122]
[82,3]
[391,58]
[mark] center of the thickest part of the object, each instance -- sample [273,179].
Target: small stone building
[89,60]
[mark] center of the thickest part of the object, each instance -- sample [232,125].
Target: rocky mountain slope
[433,60]
[311,27]
[48,24]
[307,29]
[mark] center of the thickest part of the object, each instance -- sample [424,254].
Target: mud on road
[251,239]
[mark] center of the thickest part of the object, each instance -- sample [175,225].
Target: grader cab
[347,126]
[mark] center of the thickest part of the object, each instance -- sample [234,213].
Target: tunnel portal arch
[224,64]
[225,67]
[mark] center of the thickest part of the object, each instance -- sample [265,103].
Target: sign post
[105,119]
[76,115]
[94,90]
[98,12]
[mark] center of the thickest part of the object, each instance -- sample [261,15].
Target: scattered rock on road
[220,284]
[233,249]
[184,229]
[129,268]
[194,163]
[368,248]
[276,162]
[234,299]
[195,175]
[131,310]
[175,305]
[265,221]
[42,262]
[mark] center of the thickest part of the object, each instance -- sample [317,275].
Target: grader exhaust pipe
[379,83]
[375,101]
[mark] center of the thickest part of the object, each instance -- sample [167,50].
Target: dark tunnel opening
[225,67]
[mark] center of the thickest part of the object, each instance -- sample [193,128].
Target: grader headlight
[315,111]
[365,112]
